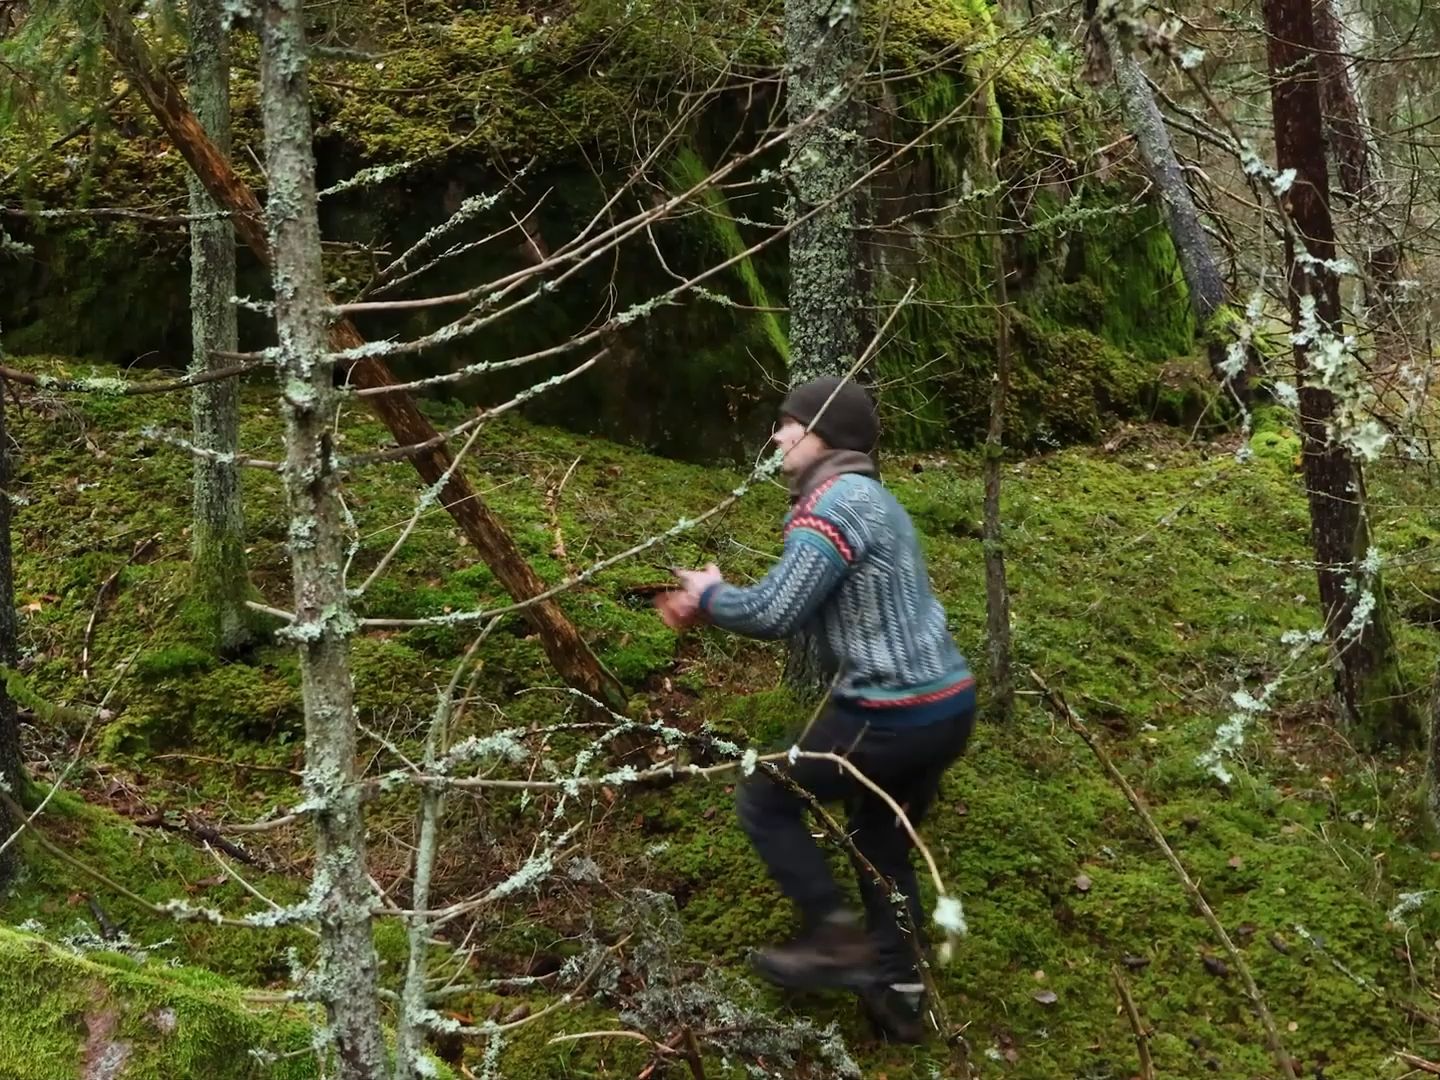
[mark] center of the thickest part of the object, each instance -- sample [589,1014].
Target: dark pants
[907,763]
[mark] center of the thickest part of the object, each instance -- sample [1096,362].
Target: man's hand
[695,582]
[678,609]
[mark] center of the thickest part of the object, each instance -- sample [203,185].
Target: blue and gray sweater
[852,572]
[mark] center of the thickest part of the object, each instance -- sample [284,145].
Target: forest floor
[1155,578]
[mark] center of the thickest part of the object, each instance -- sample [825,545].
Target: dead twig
[1142,1034]
[108,589]
[206,834]
[1418,1063]
[249,766]
[1197,898]
[552,499]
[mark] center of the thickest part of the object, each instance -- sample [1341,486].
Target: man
[852,574]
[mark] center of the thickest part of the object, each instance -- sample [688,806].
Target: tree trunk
[1432,759]
[1358,166]
[219,585]
[1197,259]
[12,769]
[1367,679]
[347,978]
[823,54]
[562,642]
[997,590]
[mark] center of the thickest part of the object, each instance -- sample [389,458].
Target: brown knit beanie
[849,421]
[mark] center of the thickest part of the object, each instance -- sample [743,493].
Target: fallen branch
[108,386]
[1197,898]
[206,834]
[1418,1063]
[1142,1035]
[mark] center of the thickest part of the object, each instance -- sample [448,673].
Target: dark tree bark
[1367,680]
[12,768]
[562,642]
[347,979]
[219,583]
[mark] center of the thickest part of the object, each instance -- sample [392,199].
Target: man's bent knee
[759,801]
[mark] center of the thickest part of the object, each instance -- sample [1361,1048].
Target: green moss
[1149,581]
[60,1012]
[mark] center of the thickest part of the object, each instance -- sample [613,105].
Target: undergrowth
[1151,582]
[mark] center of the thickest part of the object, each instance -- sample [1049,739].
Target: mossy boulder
[546,115]
[103,1015]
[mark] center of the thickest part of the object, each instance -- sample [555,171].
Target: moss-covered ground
[1153,578]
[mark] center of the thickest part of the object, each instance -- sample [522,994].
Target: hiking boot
[897,1012]
[835,954]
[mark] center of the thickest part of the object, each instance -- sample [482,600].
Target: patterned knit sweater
[852,572]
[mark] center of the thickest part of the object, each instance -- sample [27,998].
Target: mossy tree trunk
[823,56]
[219,582]
[562,642]
[1367,678]
[347,977]
[1198,264]
[997,589]
[12,769]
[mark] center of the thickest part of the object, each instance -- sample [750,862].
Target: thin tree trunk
[219,583]
[1359,169]
[823,54]
[1198,264]
[1367,679]
[347,979]
[12,769]
[1432,759]
[562,642]
[997,590]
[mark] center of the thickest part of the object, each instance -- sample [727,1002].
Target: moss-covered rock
[548,113]
[63,1014]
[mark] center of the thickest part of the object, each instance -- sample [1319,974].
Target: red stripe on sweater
[825,529]
[814,496]
[920,699]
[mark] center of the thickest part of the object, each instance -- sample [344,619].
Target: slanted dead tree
[563,644]
[1204,280]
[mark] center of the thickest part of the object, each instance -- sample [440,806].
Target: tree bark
[219,583]
[348,970]
[1203,279]
[823,54]
[12,768]
[1432,759]
[562,642]
[1358,166]
[997,589]
[1367,680]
